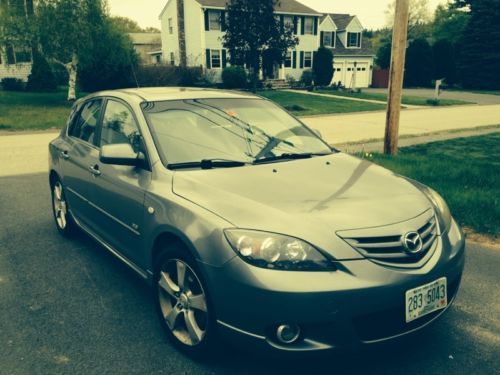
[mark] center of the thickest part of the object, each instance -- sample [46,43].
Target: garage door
[362,72]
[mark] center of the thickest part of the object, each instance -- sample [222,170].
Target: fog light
[288,333]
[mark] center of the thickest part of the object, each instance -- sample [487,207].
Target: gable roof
[341,20]
[145,38]
[284,6]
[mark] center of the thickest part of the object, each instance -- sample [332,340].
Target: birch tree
[64,33]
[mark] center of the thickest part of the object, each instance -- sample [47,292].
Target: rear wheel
[64,222]
[183,303]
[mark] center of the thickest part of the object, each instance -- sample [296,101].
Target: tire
[64,222]
[183,303]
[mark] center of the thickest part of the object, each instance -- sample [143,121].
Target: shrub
[168,75]
[307,78]
[434,102]
[323,66]
[12,84]
[235,77]
[42,77]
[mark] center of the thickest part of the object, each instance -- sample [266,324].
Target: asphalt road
[67,306]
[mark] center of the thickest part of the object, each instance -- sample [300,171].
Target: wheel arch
[53,176]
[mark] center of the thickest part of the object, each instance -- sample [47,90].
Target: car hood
[309,199]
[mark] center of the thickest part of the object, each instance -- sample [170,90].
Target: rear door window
[85,124]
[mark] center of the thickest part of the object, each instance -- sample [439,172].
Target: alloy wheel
[183,302]
[60,207]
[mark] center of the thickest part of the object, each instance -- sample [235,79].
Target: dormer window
[354,40]
[328,38]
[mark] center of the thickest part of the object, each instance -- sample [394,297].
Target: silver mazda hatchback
[248,225]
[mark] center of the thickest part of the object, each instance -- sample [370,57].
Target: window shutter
[223,26]
[301,59]
[359,40]
[209,59]
[294,59]
[302,25]
[334,36]
[224,58]
[11,56]
[321,34]
[315,26]
[295,25]
[207,23]
[282,22]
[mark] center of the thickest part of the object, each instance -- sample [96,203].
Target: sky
[371,13]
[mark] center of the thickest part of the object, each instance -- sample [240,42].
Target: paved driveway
[69,307]
[456,95]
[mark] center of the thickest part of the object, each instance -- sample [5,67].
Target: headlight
[442,210]
[275,251]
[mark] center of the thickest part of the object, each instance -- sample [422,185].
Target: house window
[307,59]
[353,39]
[288,22]
[170,26]
[308,25]
[23,56]
[288,59]
[11,56]
[214,18]
[172,58]
[215,58]
[329,38]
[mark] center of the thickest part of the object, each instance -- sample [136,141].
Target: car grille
[388,323]
[389,250]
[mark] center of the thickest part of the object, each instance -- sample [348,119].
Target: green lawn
[306,105]
[465,171]
[410,100]
[33,111]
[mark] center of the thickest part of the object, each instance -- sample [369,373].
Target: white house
[192,33]
[16,60]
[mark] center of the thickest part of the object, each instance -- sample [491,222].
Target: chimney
[182,33]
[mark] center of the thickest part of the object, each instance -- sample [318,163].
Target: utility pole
[396,75]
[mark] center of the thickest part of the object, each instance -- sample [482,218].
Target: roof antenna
[135,76]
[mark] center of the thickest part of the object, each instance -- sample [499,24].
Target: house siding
[170,42]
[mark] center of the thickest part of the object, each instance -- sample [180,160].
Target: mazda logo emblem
[412,242]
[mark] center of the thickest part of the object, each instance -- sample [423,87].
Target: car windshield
[242,130]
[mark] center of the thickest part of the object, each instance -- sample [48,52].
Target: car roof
[152,94]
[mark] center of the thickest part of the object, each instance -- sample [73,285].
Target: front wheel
[183,303]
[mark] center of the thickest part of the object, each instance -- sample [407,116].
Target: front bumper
[361,303]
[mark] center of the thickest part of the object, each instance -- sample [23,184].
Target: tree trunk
[72,69]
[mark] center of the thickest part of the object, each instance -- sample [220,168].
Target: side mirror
[120,154]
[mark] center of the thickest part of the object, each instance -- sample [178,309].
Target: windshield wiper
[207,164]
[290,156]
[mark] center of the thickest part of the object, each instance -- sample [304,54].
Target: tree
[449,23]
[127,25]
[42,77]
[419,67]
[444,61]
[479,58]
[252,29]
[323,66]
[418,20]
[383,57]
[64,32]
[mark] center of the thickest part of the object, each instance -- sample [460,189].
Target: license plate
[425,299]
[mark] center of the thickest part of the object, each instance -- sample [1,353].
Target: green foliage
[449,23]
[323,66]
[479,59]
[383,57]
[235,77]
[444,61]
[111,61]
[126,25]
[167,75]
[251,29]
[307,78]
[419,64]
[12,84]
[42,77]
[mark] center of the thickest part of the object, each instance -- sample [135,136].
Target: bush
[307,78]
[42,77]
[168,75]
[235,77]
[323,67]
[13,84]
[419,66]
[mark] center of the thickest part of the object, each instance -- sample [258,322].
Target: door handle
[65,154]
[94,169]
